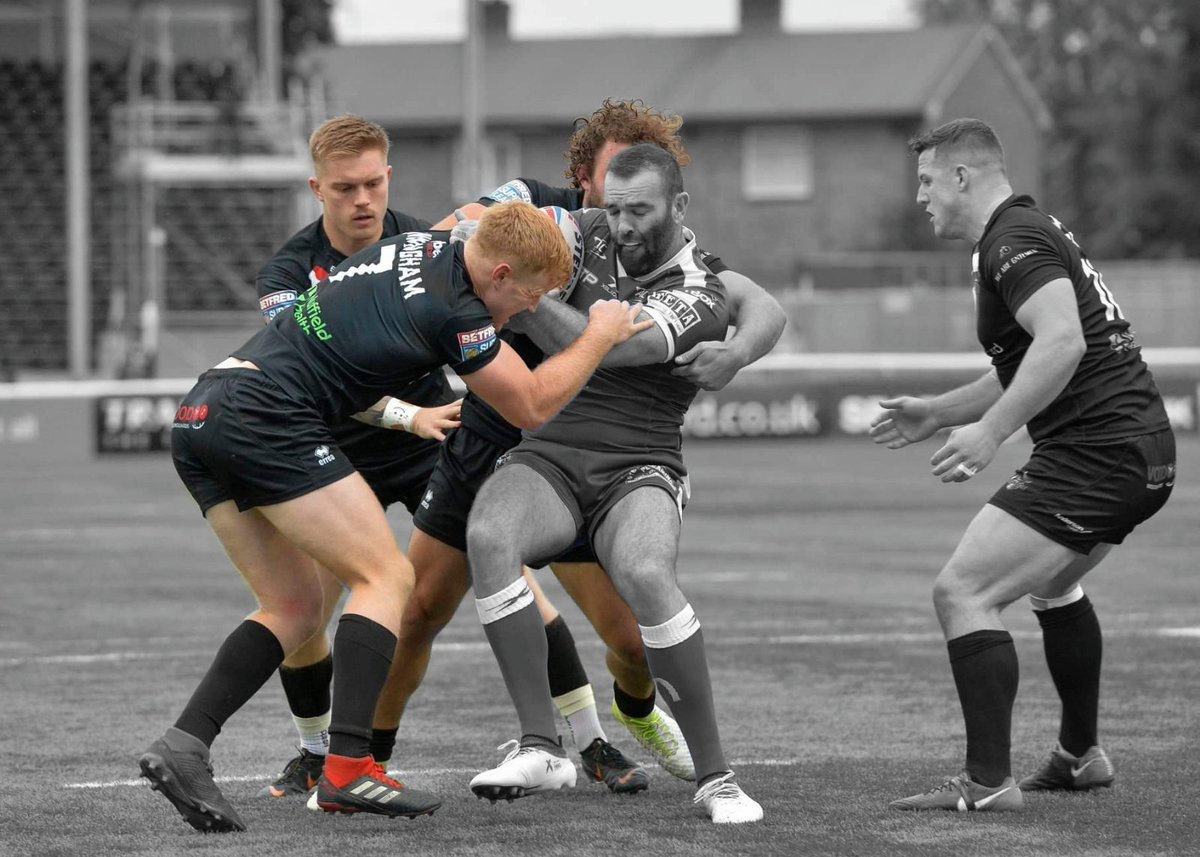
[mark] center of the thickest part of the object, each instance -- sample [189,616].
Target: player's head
[616,126]
[516,255]
[960,165]
[645,203]
[351,176]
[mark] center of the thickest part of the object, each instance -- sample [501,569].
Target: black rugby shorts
[237,436]
[1084,494]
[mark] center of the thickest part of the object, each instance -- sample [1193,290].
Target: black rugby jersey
[1112,393]
[478,415]
[386,316]
[636,408]
[305,260]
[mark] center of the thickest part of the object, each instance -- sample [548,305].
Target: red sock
[343,770]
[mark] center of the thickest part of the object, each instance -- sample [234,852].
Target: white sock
[578,708]
[314,732]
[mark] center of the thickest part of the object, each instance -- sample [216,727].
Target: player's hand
[463,230]
[617,320]
[967,450]
[905,420]
[433,423]
[709,365]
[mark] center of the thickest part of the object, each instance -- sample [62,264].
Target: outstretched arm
[758,321]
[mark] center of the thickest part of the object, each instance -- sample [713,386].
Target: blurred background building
[153,154]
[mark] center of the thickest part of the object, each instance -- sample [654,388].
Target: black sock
[307,688]
[563,666]
[362,654]
[383,743]
[985,670]
[632,706]
[1073,645]
[243,664]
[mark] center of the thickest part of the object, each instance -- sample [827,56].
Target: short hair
[522,235]
[973,135]
[346,136]
[622,122]
[647,156]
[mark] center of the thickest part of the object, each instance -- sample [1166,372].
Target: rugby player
[351,180]
[1064,363]
[252,444]
[468,457]
[609,469]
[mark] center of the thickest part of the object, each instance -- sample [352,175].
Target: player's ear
[315,186]
[583,178]
[679,206]
[501,273]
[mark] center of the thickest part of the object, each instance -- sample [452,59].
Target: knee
[951,594]
[303,613]
[493,554]
[425,617]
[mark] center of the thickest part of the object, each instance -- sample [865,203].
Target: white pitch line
[400,774]
[844,639]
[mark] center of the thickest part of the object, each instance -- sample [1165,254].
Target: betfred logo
[472,343]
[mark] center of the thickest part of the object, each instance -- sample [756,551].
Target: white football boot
[662,738]
[524,771]
[726,803]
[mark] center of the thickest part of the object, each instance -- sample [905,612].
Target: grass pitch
[809,564]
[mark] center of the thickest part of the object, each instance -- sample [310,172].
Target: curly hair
[622,122]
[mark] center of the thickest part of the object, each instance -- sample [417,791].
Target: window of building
[777,162]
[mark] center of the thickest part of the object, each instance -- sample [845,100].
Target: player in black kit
[1066,364]
[349,156]
[252,444]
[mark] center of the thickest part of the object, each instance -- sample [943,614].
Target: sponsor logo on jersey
[1013,261]
[308,315]
[433,249]
[676,310]
[1005,250]
[276,302]
[599,247]
[473,343]
[510,191]
[702,297]
[323,455]
[317,274]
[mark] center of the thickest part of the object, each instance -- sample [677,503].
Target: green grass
[116,596]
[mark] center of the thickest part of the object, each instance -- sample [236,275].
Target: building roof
[759,77]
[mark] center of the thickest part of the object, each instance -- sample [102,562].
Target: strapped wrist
[398,414]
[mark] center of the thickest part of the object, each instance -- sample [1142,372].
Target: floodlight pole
[79,239]
[472,132]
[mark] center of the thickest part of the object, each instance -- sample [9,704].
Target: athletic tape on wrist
[398,413]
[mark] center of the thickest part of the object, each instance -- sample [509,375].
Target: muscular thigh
[526,503]
[275,569]
[638,542]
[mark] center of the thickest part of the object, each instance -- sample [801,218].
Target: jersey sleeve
[278,285]
[693,311]
[535,193]
[469,340]
[1020,260]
